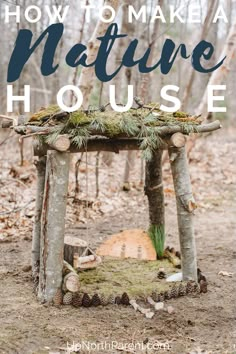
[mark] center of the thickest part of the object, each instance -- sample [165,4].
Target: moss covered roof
[142,123]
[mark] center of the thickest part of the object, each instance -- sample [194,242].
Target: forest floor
[201,324]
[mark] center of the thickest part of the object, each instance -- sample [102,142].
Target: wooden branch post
[154,189]
[155,193]
[41,170]
[185,208]
[53,225]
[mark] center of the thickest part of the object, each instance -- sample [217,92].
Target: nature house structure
[58,134]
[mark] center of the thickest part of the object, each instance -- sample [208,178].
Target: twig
[30,135]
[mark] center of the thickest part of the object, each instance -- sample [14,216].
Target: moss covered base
[135,277]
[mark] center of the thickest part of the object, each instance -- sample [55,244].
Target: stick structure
[161,131]
[41,170]
[53,225]
[154,189]
[185,207]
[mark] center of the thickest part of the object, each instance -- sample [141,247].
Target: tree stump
[73,246]
[53,225]
[185,208]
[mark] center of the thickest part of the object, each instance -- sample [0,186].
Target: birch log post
[53,225]
[185,208]
[41,170]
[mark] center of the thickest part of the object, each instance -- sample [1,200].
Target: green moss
[44,113]
[180,114]
[137,123]
[115,276]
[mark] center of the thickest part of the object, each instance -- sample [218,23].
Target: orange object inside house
[129,244]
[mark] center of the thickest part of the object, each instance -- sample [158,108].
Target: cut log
[71,283]
[71,279]
[73,246]
[61,143]
[185,207]
[41,170]
[53,225]
[178,140]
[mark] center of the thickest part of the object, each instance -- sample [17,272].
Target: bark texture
[41,170]
[185,207]
[154,189]
[53,225]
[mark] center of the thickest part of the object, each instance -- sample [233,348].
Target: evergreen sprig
[157,235]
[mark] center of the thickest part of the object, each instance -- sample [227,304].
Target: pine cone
[58,297]
[161,275]
[155,296]
[177,254]
[86,301]
[161,297]
[167,295]
[195,288]
[77,299]
[174,292]
[104,300]
[191,287]
[67,298]
[203,286]
[118,300]
[111,299]
[181,290]
[125,299]
[172,250]
[95,300]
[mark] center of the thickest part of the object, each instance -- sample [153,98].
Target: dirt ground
[203,323]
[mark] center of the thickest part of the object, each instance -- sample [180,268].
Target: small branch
[30,136]
[162,131]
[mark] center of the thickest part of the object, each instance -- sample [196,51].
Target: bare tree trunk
[86,81]
[185,207]
[151,44]
[208,20]
[53,225]
[154,189]
[41,169]
[216,79]
[124,77]
[219,75]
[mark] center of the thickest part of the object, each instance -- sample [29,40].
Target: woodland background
[97,204]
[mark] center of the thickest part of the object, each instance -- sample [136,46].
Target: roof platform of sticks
[146,128]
